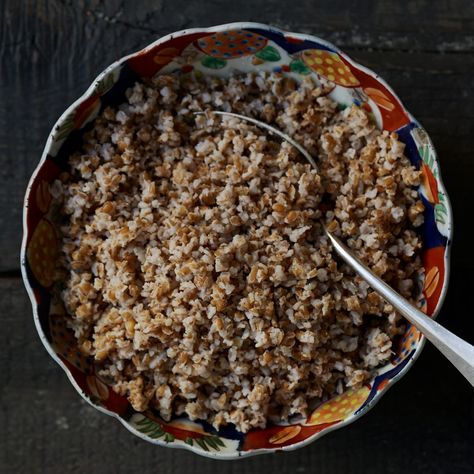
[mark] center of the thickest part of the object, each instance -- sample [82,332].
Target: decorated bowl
[223,50]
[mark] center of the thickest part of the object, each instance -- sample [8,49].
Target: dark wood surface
[50,50]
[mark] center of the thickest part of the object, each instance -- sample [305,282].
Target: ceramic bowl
[222,50]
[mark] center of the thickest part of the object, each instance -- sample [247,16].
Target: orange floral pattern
[408,343]
[43,196]
[431,281]
[429,184]
[86,110]
[64,342]
[381,99]
[42,253]
[232,44]
[285,435]
[433,261]
[330,66]
[340,407]
[165,56]
[256,50]
[97,388]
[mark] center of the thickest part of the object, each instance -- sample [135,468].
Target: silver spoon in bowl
[459,352]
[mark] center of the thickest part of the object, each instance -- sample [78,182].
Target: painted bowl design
[223,50]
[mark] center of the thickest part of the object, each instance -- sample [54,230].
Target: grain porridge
[194,268]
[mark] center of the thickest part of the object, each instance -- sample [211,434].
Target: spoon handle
[457,351]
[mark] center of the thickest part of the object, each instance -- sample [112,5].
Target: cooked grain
[194,268]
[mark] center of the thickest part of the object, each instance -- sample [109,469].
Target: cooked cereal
[194,269]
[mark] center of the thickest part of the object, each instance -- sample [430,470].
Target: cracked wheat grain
[194,269]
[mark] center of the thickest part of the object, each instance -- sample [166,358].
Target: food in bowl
[193,265]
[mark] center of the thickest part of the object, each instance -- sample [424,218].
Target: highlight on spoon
[459,352]
[268,127]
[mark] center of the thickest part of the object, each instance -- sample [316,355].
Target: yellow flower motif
[330,66]
[340,407]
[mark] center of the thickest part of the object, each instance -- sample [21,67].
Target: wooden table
[50,50]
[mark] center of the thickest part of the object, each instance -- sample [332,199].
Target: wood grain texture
[50,51]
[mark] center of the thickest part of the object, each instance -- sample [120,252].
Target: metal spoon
[457,351]
[266,127]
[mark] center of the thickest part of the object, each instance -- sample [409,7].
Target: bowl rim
[88,92]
